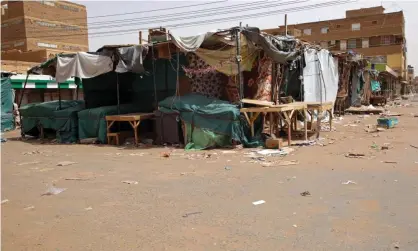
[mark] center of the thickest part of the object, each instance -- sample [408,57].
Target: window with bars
[385,40]
[324,30]
[352,43]
[307,32]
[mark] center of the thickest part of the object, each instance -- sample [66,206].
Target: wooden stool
[113,138]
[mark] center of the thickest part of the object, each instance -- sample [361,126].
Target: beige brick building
[32,25]
[377,35]
[34,31]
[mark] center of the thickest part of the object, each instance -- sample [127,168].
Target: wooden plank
[130,117]
[256,102]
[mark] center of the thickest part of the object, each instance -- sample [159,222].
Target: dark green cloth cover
[219,122]
[7,119]
[49,115]
[92,122]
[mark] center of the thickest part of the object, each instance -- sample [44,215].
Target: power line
[188,24]
[148,11]
[183,15]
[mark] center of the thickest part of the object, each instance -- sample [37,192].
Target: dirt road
[203,200]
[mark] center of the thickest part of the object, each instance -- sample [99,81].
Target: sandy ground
[197,201]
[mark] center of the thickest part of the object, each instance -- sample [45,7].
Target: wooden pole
[140,37]
[238,58]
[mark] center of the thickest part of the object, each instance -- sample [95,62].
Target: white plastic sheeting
[82,65]
[320,76]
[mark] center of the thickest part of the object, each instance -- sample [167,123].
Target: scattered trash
[228,152]
[188,214]
[295,225]
[387,122]
[228,168]
[355,155]
[28,163]
[348,182]
[267,164]
[76,178]
[396,245]
[416,147]
[137,154]
[3,140]
[389,162]
[4,201]
[53,191]
[391,114]
[130,182]
[276,152]
[31,153]
[258,202]
[29,208]
[370,128]
[375,146]
[88,208]
[66,163]
[306,193]
[351,125]
[385,146]
[287,162]
[182,174]
[165,154]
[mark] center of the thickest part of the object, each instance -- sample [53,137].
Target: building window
[46,24]
[67,7]
[324,44]
[338,26]
[385,40]
[47,45]
[374,22]
[343,45]
[18,44]
[351,44]
[355,27]
[307,32]
[365,42]
[324,30]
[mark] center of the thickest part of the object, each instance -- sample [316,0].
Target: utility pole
[140,37]
[285,24]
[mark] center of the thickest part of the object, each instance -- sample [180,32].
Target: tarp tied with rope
[91,64]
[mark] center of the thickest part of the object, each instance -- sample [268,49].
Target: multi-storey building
[34,31]
[378,36]
[57,26]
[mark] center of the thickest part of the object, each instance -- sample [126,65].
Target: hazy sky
[99,25]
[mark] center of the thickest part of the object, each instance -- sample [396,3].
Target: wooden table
[320,108]
[286,112]
[134,120]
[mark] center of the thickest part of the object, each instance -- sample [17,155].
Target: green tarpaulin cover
[92,122]
[210,122]
[7,119]
[49,115]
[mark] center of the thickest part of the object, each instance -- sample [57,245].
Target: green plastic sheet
[49,115]
[212,122]
[92,122]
